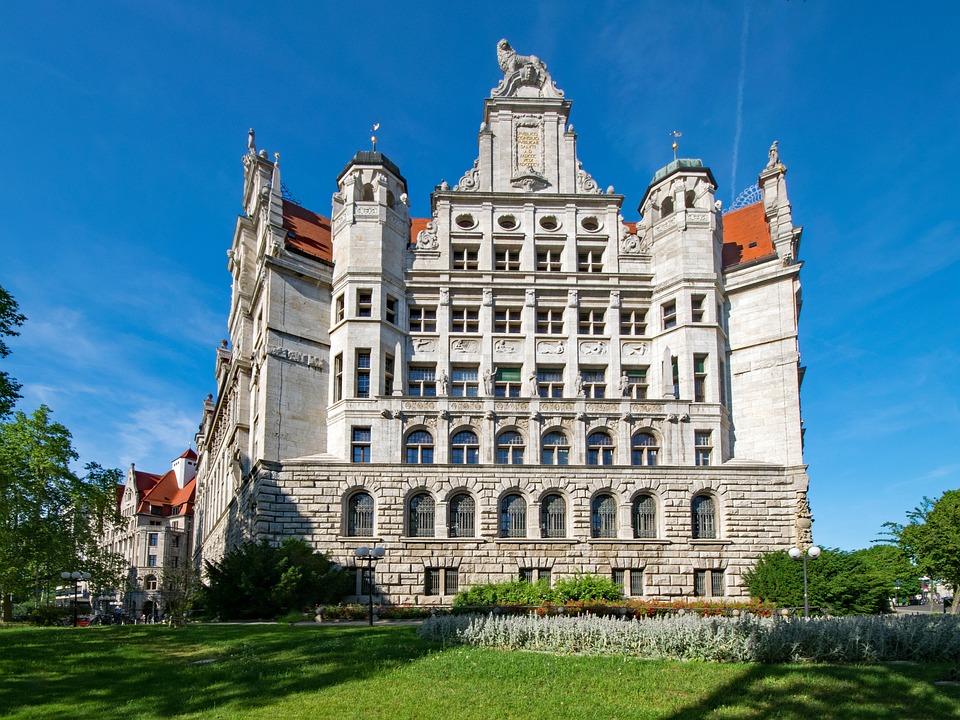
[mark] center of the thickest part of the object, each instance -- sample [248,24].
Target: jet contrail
[741,81]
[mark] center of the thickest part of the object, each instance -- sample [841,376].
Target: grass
[280,671]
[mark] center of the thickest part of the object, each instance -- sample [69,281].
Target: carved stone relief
[634,348]
[593,348]
[506,347]
[471,179]
[461,345]
[427,238]
[585,183]
[551,348]
[424,345]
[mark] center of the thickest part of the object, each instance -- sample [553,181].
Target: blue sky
[124,124]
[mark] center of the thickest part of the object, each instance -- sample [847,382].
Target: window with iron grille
[360,444]
[465,448]
[364,303]
[708,583]
[550,321]
[422,380]
[338,377]
[696,307]
[549,260]
[550,382]
[363,374]
[633,322]
[366,581]
[699,378]
[432,582]
[669,314]
[421,515]
[553,516]
[360,515]
[510,448]
[465,258]
[507,382]
[637,382]
[599,449]
[465,381]
[507,320]
[423,319]
[643,449]
[636,583]
[603,517]
[594,383]
[617,575]
[717,584]
[451,581]
[513,516]
[703,446]
[528,574]
[460,516]
[630,579]
[644,517]
[546,575]
[591,322]
[507,259]
[555,449]
[420,448]
[703,511]
[590,261]
[465,320]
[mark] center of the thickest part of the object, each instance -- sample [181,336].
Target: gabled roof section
[746,236]
[307,233]
[189,454]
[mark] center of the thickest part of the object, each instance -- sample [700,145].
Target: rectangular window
[338,377]
[156,509]
[591,322]
[451,581]
[153,539]
[364,303]
[175,561]
[391,308]
[699,378]
[175,541]
[360,444]
[696,307]
[704,445]
[700,583]
[507,320]
[367,581]
[423,319]
[388,369]
[717,585]
[548,260]
[594,383]
[465,320]
[363,374]
[527,574]
[550,382]
[618,577]
[507,259]
[669,313]
[550,321]
[465,258]
[431,585]
[633,322]
[507,382]
[151,560]
[338,314]
[545,574]
[590,261]
[675,375]
[636,383]
[465,382]
[709,583]
[422,381]
[636,583]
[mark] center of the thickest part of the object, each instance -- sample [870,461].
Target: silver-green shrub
[924,638]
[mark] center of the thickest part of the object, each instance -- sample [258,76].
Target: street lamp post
[797,554]
[370,555]
[76,577]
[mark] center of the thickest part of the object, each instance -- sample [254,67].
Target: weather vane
[675,134]
[373,138]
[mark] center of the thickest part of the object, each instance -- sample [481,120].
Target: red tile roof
[189,454]
[307,232]
[416,225]
[746,235]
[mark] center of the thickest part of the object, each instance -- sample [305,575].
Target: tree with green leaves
[10,319]
[932,539]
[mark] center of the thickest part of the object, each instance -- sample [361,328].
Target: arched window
[420,448]
[460,516]
[368,192]
[603,517]
[513,516]
[703,516]
[465,448]
[599,449]
[150,582]
[690,199]
[644,448]
[421,514]
[360,515]
[510,448]
[556,449]
[553,516]
[644,516]
[666,207]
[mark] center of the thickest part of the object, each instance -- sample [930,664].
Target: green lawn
[330,671]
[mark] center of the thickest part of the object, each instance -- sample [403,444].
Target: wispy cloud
[741,85]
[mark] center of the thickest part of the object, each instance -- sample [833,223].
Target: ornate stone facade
[524,384]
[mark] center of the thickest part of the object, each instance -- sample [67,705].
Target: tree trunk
[956,601]
[7,607]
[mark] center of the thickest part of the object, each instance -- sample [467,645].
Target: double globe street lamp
[76,577]
[813,552]
[370,555]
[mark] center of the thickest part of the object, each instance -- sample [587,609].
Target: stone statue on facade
[534,385]
[252,142]
[578,386]
[773,157]
[624,384]
[488,381]
[443,383]
[523,75]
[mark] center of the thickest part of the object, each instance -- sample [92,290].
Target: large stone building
[524,384]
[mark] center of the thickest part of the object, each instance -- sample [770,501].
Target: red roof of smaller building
[307,232]
[746,235]
[189,454]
